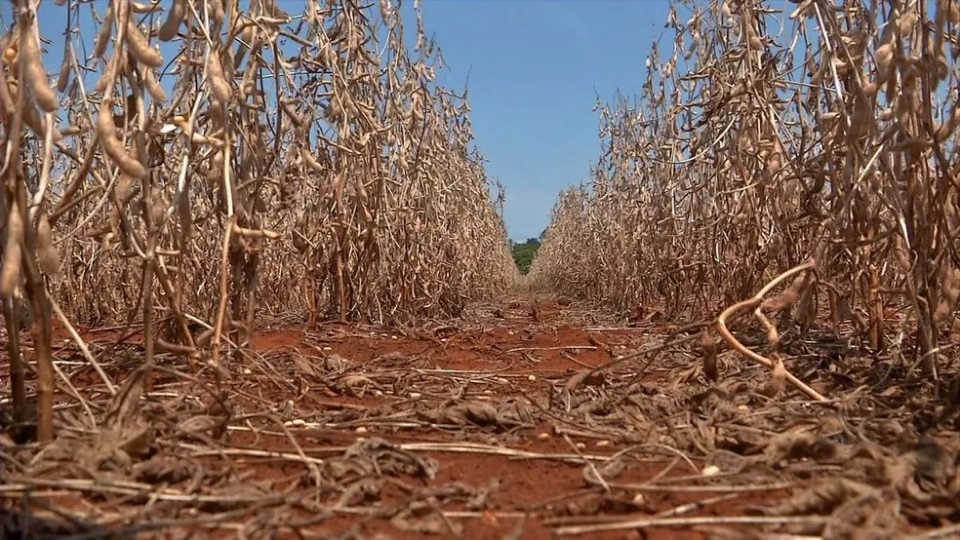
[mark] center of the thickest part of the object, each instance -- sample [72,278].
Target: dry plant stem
[82,345]
[68,200]
[38,197]
[74,393]
[314,469]
[667,342]
[646,523]
[694,506]
[18,486]
[949,531]
[42,335]
[16,197]
[163,278]
[590,466]
[224,296]
[18,378]
[10,180]
[149,216]
[567,348]
[753,303]
[703,489]
[181,197]
[676,511]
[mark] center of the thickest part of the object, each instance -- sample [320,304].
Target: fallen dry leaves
[339,434]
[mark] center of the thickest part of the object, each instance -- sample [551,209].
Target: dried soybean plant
[766,138]
[217,163]
[28,106]
[406,232]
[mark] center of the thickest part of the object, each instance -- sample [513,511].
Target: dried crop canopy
[219,161]
[765,139]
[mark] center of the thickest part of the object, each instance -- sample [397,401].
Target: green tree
[524,253]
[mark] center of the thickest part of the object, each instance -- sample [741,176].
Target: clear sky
[534,70]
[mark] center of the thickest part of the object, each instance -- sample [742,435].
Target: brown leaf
[464,413]
[127,401]
[355,384]
[159,469]
[821,499]
[777,381]
[305,367]
[585,377]
[336,363]
[205,425]
[795,445]
[708,346]
[475,412]
[359,492]
[421,518]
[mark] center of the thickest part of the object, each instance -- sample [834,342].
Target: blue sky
[534,69]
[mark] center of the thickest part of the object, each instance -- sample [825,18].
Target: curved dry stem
[753,303]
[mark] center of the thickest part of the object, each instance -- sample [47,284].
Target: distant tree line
[524,253]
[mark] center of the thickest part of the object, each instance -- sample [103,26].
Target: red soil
[520,354]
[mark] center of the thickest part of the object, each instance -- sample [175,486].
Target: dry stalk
[747,152]
[215,132]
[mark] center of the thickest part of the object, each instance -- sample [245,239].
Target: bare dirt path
[496,427]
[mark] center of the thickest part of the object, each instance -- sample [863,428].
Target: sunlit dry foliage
[766,138]
[218,160]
